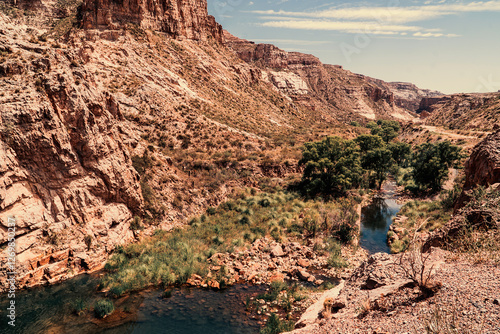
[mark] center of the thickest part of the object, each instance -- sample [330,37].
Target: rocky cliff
[409,96]
[483,166]
[330,86]
[463,111]
[65,175]
[82,114]
[314,85]
[187,18]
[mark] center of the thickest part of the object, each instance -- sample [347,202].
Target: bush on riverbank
[172,257]
[103,308]
[275,325]
[422,215]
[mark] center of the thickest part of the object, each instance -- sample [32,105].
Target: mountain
[317,86]
[463,111]
[121,115]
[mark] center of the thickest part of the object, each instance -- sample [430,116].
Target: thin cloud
[291,41]
[392,14]
[374,20]
[346,26]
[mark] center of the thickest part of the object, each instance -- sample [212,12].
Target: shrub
[417,267]
[79,306]
[335,259]
[142,164]
[265,203]
[245,220]
[345,233]
[88,241]
[136,224]
[103,308]
[443,321]
[275,326]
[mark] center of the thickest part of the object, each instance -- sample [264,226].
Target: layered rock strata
[188,18]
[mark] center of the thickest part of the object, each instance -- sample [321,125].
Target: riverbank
[380,298]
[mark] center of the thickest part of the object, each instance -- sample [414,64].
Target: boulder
[311,315]
[277,251]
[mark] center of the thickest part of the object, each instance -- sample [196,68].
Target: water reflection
[376,219]
[50,310]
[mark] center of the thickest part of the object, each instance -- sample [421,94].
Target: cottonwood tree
[431,163]
[331,166]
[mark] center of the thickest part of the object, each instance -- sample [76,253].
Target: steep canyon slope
[306,80]
[121,116]
[463,111]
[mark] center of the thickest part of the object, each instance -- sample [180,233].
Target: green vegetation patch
[103,308]
[421,215]
[172,257]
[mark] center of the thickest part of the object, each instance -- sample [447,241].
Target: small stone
[339,303]
[303,275]
[303,263]
[214,284]
[277,251]
[319,282]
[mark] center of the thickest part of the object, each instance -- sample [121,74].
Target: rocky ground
[379,298]
[267,261]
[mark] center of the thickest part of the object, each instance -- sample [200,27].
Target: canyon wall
[318,86]
[475,111]
[482,169]
[65,174]
[187,18]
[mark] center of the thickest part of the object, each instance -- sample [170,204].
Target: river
[187,311]
[376,219]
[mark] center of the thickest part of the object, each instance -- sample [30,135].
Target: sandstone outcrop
[188,18]
[307,81]
[464,111]
[65,175]
[429,104]
[483,166]
[409,96]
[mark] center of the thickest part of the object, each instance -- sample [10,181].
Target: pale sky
[448,45]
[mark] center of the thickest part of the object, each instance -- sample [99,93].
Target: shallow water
[186,311]
[376,219]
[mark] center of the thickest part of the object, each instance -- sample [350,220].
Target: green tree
[401,152]
[332,166]
[376,159]
[431,163]
[387,130]
[379,161]
[369,142]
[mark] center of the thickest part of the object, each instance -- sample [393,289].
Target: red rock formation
[477,111]
[483,166]
[318,86]
[268,55]
[65,174]
[429,104]
[188,18]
